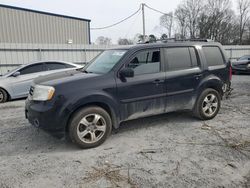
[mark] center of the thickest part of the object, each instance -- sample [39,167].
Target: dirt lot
[173,150]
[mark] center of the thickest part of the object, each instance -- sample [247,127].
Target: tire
[3,96]
[208,104]
[90,127]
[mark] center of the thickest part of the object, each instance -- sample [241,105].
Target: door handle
[158,81]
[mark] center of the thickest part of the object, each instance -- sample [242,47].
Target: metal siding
[20,26]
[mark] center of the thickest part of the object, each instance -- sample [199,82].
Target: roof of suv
[169,44]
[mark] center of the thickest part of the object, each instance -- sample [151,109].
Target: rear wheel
[208,104]
[90,127]
[3,96]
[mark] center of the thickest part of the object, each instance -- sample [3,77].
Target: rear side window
[181,58]
[213,55]
[32,69]
[146,62]
[55,66]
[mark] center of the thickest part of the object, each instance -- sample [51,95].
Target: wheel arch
[213,83]
[8,93]
[107,107]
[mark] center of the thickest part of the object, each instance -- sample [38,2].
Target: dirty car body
[142,82]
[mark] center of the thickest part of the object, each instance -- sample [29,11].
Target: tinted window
[55,66]
[69,66]
[193,57]
[146,62]
[178,58]
[213,56]
[32,69]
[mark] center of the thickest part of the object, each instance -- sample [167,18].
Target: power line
[132,25]
[112,25]
[157,10]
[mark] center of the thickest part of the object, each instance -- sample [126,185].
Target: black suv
[129,83]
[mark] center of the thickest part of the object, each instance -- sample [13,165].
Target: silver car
[16,83]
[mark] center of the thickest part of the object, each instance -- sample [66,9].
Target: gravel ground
[171,150]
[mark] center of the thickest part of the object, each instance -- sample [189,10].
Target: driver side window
[146,62]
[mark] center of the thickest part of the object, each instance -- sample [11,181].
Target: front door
[144,94]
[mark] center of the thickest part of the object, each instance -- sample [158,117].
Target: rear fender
[213,82]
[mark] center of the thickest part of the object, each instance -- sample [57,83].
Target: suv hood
[62,77]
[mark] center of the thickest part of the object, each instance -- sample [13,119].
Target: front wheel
[208,104]
[90,127]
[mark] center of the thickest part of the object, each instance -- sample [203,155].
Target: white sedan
[16,83]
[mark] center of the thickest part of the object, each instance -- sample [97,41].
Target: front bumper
[46,116]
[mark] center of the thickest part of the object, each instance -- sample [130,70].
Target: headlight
[42,93]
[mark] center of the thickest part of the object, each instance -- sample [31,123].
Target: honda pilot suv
[128,83]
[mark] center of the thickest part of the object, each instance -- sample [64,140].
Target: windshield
[105,61]
[245,58]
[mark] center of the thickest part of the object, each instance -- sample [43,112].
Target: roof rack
[194,40]
[177,40]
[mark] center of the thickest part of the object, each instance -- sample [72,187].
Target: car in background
[16,83]
[242,65]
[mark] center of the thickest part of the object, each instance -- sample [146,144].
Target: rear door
[144,94]
[183,75]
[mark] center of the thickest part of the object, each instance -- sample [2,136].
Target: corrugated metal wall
[235,52]
[12,55]
[27,26]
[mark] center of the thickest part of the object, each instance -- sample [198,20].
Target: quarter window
[146,62]
[213,56]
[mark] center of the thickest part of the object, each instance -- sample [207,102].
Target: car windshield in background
[245,58]
[105,61]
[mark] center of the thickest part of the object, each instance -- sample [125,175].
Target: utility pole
[143,21]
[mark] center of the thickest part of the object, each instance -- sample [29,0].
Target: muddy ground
[171,150]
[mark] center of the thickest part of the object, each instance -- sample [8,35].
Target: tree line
[204,19]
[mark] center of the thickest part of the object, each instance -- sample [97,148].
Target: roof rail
[177,40]
[194,40]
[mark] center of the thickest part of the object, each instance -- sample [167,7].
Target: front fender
[74,104]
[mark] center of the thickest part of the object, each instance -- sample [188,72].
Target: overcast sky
[105,12]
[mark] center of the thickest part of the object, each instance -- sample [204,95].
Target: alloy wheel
[91,128]
[210,105]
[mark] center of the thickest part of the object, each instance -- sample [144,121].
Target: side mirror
[16,74]
[127,73]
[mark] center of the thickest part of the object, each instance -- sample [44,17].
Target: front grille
[31,90]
